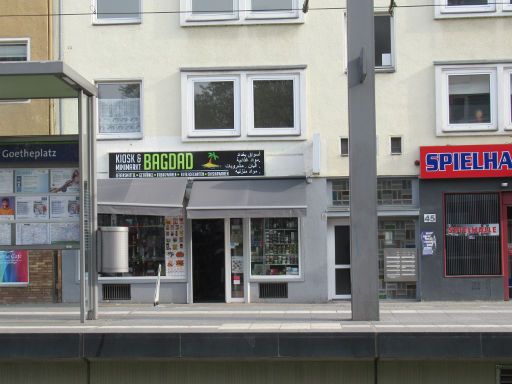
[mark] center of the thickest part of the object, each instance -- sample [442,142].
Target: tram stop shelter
[56,80]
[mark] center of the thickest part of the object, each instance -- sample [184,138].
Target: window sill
[390,69]
[116,22]
[262,21]
[297,138]
[474,133]
[275,279]
[139,280]
[472,15]
[101,137]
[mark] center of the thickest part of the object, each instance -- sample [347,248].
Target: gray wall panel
[437,372]
[233,372]
[43,372]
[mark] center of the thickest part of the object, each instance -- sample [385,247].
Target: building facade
[223,143]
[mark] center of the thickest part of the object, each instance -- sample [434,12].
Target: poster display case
[40,207]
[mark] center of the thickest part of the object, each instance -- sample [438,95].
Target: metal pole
[82,261]
[363,165]
[93,266]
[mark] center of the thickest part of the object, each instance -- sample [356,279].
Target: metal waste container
[113,249]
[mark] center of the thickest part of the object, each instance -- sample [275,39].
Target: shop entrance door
[208,260]
[339,261]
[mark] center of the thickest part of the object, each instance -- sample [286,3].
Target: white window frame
[188,101]
[244,110]
[190,17]
[348,146]
[391,145]
[116,20]
[17,40]
[242,14]
[121,136]
[507,103]
[491,9]
[293,13]
[442,99]
[297,103]
[388,68]
[381,69]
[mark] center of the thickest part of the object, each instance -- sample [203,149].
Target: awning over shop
[157,197]
[247,198]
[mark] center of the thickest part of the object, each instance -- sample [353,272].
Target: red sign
[466,161]
[473,229]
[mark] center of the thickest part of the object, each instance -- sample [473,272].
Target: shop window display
[275,247]
[152,241]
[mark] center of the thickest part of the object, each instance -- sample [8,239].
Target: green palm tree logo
[212,156]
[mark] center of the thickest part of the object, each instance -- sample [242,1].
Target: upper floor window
[202,12]
[384,42]
[119,110]
[243,104]
[474,99]
[14,50]
[465,8]
[117,11]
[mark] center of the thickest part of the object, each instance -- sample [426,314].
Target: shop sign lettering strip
[473,230]
[186,164]
[466,161]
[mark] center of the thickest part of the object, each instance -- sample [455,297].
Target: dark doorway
[208,260]
[342,260]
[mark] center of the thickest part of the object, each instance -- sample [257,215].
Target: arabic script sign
[130,165]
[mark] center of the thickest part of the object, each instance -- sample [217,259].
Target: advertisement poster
[5,234]
[175,247]
[6,181]
[64,233]
[65,207]
[32,234]
[31,180]
[13,267]
[428,242]
[65,180]
[186,164]
[7,208]
[32,208]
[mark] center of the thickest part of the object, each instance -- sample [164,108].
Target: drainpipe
[60,58]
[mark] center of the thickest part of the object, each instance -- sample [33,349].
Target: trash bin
[113,249]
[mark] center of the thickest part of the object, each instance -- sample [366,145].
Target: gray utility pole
[363,163]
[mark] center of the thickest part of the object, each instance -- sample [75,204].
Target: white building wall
[156,49]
